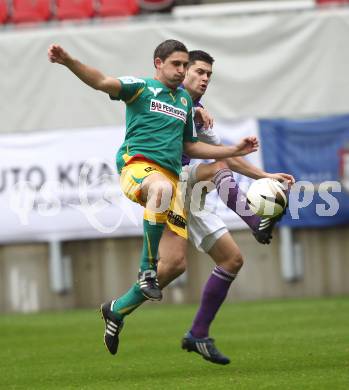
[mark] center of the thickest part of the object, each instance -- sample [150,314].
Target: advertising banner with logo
[316,152]
[63,185]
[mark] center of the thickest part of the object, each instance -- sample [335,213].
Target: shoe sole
[215,362]
[151,298]
[188,349]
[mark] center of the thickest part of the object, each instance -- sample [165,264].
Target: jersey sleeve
[189,129]
[131,88]
[209,136]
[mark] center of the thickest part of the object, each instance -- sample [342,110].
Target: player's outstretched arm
[240,165]
[202,150]
[90,76]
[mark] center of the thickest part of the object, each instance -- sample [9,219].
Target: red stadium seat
[3,11]
[75,9]
[118,7]
[30,11]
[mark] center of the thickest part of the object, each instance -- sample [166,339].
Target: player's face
[171,72]
[197,78]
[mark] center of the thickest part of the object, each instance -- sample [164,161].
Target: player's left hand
[247,145]
[57,54]
[203,116]
[282,178]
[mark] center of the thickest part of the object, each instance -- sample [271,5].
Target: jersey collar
[165,88]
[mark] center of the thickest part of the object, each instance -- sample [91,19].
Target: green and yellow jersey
[158,120]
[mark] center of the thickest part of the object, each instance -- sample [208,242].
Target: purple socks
[234,197]
[213,295]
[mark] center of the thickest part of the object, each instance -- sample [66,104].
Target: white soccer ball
[267,197]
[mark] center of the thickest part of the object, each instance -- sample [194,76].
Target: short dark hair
[166,48]
[199,55]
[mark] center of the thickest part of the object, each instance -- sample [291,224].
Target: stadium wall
[105,268]
[273,65]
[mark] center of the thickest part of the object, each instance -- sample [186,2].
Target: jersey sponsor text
[168,109]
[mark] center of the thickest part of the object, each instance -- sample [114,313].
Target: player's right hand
[282,178]
[57,54]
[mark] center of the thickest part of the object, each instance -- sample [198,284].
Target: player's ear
[157,62]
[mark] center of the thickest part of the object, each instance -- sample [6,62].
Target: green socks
[128,302]
[152,235]
[134,297]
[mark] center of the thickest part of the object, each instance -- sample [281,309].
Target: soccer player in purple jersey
[207,231]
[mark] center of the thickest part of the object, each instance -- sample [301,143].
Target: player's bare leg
[205,172]
[226,254]
[234,198]
[172,257]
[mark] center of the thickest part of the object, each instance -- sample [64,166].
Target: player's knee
[216,167]
[170,268]
[234,263]
[220,165]
[237,261]
[178,264]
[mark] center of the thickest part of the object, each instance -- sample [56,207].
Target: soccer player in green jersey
[159,126]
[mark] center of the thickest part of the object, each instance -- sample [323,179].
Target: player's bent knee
[178,265]
[215,167]
[234,263]
[237,261]
[220,165]
[169,269]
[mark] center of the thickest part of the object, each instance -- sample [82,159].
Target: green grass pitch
[283,345]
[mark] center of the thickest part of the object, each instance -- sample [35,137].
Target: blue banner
[316,153]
